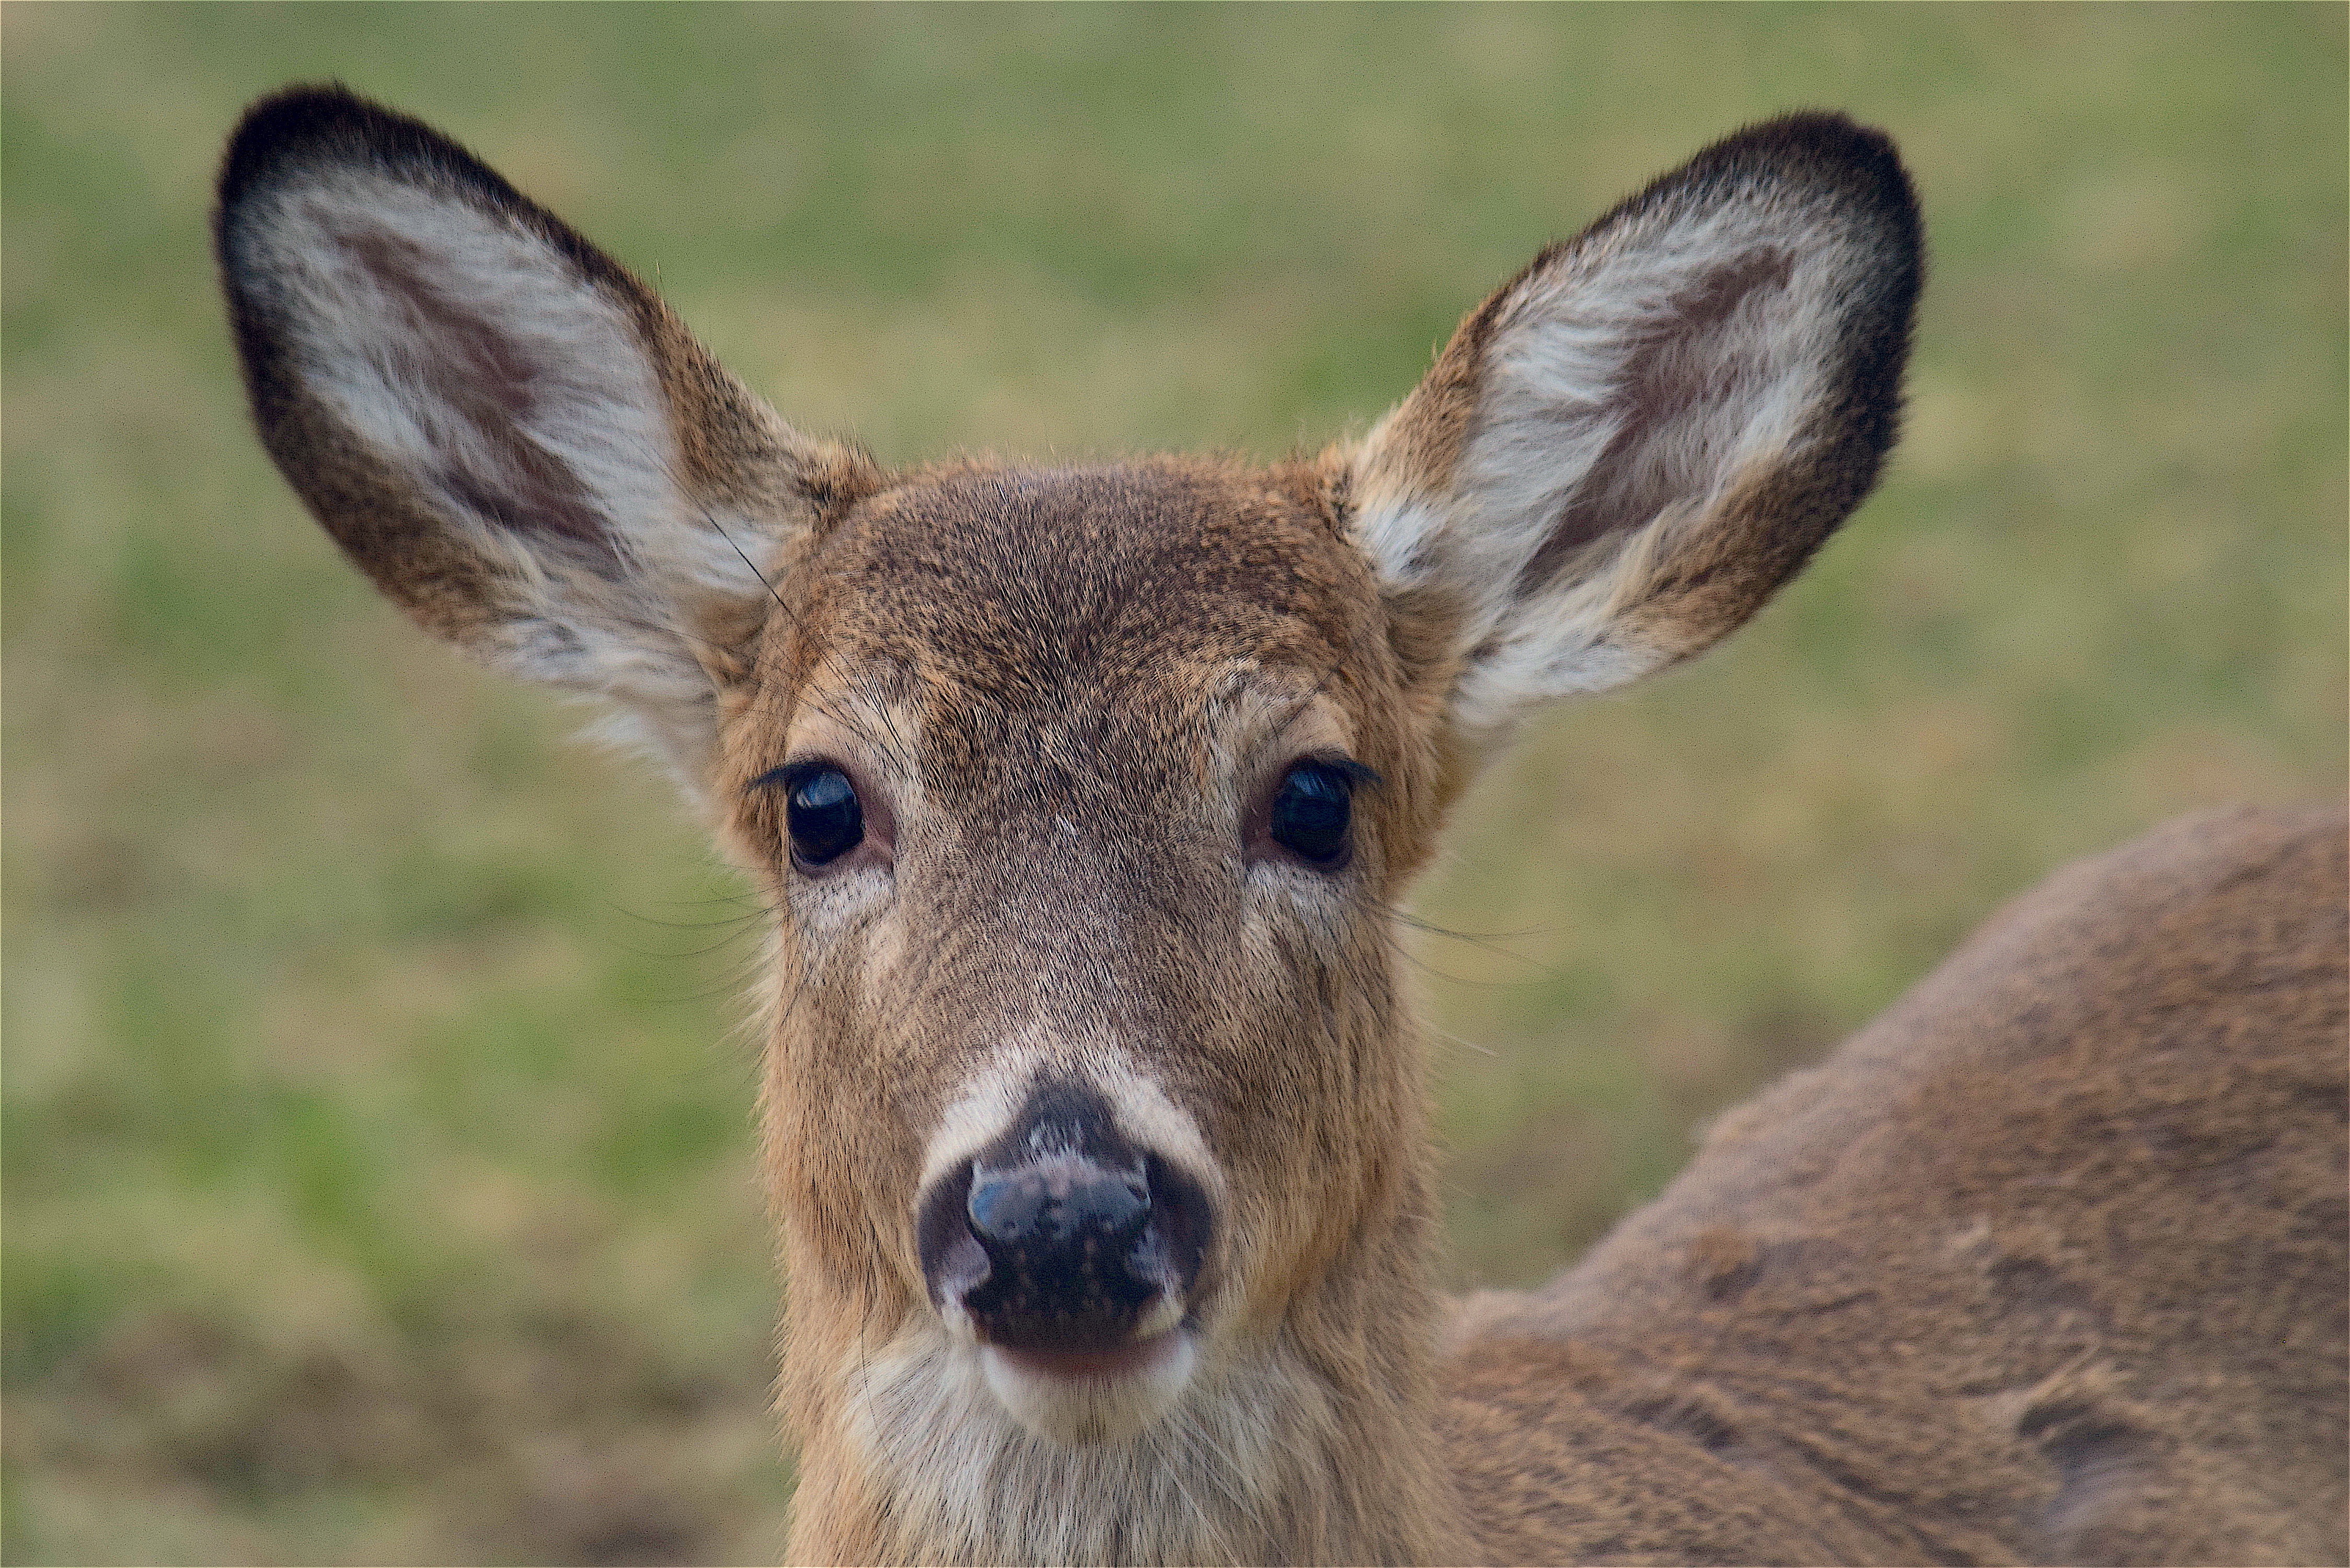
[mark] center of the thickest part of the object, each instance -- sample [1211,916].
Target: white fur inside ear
[1626,388]
[460,347]
[522,401]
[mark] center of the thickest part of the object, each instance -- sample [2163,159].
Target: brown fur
[2046,1266]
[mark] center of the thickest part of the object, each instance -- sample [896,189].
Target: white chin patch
[1091,1408]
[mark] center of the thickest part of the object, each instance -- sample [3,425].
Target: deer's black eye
[1310,813]
[822,813]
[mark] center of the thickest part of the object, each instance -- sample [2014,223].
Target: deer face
[1080,796]
[1083,795]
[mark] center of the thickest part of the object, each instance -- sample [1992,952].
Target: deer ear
[510,434]
[1627,449]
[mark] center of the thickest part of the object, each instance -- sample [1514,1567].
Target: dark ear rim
[407,552]
[1822,149]
[309,125]
[1830,150]
[1861,168]
[1818,171]
[315,125]
[732,451]
[1828,147]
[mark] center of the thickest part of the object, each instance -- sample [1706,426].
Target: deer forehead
[1022,583]
[1152,625]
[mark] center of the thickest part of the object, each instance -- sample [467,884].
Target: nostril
[1116,1209]
[1005,1209]
[1182,1222]
[952,1260]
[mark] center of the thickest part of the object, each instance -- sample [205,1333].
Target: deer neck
[1310,1439]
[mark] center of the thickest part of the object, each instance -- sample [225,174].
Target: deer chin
[1084,1397]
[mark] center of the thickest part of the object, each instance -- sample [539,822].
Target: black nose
[1060,1236]
[1064,1268]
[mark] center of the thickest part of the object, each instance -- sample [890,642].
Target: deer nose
[1062,1237]
[1067,1213]
[1064,1268]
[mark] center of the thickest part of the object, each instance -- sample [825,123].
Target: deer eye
[823,816]
[1312,811]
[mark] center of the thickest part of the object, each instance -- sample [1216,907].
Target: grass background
[376,1161]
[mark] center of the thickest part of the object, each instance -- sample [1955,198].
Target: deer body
[2044,1266]
[1092,1118]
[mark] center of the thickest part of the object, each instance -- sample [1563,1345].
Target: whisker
[897,753]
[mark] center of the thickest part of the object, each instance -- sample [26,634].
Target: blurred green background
[377,1168]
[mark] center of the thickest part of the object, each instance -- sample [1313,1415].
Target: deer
[1094,1113]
